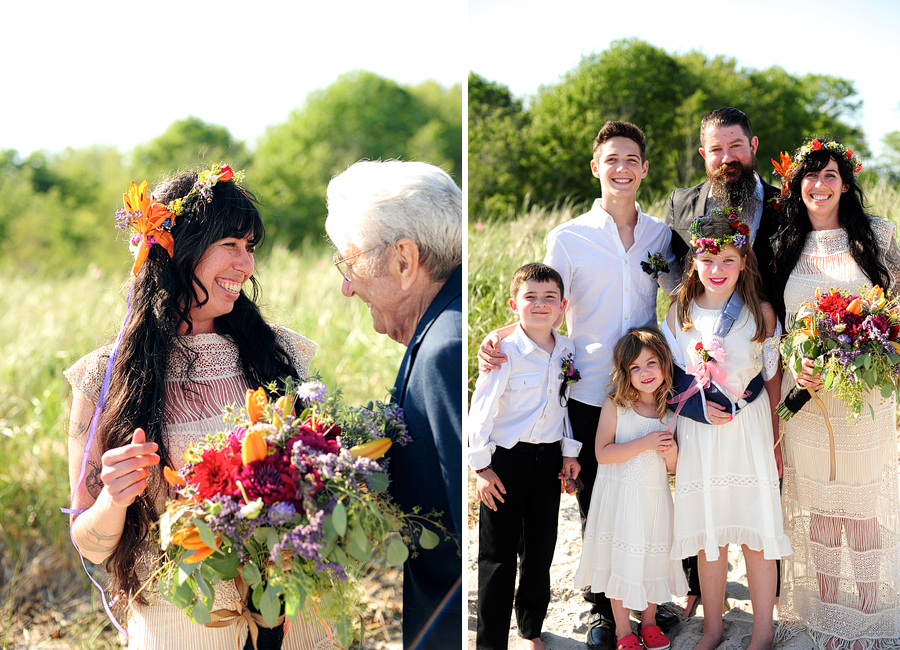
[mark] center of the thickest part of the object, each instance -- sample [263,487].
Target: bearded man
[728,147]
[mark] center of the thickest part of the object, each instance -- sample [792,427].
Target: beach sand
[567,619]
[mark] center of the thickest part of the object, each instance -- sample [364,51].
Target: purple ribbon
[98,409]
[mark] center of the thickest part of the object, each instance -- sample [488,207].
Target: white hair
[375,203]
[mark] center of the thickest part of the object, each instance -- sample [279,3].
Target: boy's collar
[604,217]
[526,345]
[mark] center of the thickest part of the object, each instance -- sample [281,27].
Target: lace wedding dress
[842,582]
[194,409]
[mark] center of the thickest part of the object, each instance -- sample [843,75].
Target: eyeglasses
[341,263]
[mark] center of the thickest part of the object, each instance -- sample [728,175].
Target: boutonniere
[569,375]
[655,264]
[775,204]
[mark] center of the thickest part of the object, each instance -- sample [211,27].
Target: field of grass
[45,325]
[498,248]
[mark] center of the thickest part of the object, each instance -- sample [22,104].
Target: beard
[734,183]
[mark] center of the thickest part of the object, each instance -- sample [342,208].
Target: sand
[567,619]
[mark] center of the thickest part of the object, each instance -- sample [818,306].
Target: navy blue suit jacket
[427,472]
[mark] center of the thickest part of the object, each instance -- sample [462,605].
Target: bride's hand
[807,378]
[126,468]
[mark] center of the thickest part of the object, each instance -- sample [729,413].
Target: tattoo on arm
[92,481]
[93,541]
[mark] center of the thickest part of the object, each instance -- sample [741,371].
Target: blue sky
[526,43]
[118,73]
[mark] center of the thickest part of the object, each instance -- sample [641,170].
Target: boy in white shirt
[520,446]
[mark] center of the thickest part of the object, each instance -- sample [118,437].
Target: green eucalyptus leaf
[203,587]
[200,613]
[270,605]
[251,574]
[886,390]
[829,379]
[183,595]
[359,547]
[185,571]
[273,539]
[261,534]
[225,563]
[397,553]
[428,539]
[339,518]
[206,534]
[338,555]
[378,482]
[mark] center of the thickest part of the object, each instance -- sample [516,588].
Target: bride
[193,342]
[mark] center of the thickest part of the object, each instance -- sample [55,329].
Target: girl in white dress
[628,532]
[726,483]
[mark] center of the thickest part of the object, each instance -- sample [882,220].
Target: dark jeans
[524,525]
[584,418]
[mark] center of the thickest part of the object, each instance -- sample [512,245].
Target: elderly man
[397,227]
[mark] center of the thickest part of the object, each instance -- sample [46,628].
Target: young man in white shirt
[520,446]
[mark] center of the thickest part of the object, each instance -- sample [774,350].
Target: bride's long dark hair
[163,295]
[852,216]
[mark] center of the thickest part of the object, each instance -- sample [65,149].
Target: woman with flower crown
[843,581]
[193,342]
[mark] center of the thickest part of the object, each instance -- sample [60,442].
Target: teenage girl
[726,483]
[628,532]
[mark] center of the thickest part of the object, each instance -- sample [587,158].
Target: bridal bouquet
[281,505]
[852,341]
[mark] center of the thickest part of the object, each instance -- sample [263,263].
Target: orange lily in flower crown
[783,169]
[147,223]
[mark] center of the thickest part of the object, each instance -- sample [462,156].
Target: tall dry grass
[45,325]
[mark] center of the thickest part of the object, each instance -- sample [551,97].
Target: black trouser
[524,525]
[584,418]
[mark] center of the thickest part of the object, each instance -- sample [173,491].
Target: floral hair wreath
[786,165]
[151,222]
[714,246]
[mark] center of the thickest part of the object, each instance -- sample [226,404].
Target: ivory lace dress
[192,411]
[628,532]
[726,482]
[843,581]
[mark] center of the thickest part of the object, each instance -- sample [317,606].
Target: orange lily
[254,402]
[172,478]
[855,306]
[373,449]
[253,447]
[810,328]
[783,169]
[151,216]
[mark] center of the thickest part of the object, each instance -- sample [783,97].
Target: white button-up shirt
[520,402]
[607,290]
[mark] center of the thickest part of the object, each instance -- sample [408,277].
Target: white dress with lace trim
[726,482]
[193,410]
[843,581]
[628,533]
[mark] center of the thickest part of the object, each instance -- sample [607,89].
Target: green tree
[361,115]
[187,144]
[497,155]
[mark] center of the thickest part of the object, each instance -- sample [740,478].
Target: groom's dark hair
[727,116]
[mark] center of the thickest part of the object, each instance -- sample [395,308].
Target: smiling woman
[193,342]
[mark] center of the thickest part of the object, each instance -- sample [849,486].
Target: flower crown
[786,165]
[151,222]
[714,246]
